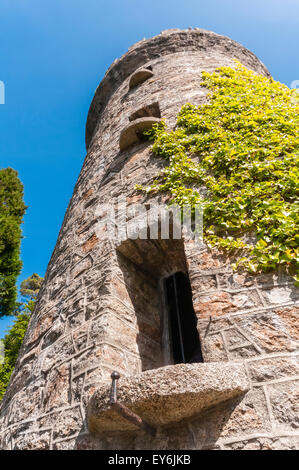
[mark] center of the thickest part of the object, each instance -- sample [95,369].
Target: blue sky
[53,54]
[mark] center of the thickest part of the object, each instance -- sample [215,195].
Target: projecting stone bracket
[139,77]
[168,394]
[133,132]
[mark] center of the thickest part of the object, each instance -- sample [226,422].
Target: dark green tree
[14,338]
[12,209]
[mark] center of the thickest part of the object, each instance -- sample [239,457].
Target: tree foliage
[14,338]
[31,286]
[12,343]
[12,209]
[242,148]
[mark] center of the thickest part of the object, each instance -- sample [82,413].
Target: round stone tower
[107,305]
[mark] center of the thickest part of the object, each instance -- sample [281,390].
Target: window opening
[184,336]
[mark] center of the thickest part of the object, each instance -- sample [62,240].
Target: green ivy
[237,155]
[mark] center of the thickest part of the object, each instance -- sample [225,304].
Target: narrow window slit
[184,336]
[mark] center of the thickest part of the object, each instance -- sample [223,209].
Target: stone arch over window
[140,76]
[140,120]
[133,133]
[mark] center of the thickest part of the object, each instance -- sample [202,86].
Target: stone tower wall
[99,308]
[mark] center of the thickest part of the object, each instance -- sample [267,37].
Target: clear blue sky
[53,54]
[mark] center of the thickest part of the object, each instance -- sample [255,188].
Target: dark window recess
[151,110]
[183,332]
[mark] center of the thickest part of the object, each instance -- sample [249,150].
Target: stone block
[273,368]
[284,399]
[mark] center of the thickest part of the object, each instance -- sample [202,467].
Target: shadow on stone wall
[201,432]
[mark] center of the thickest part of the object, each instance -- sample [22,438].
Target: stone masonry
[99,308]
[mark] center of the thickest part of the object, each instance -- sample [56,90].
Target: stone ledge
[168,394]
[132,133]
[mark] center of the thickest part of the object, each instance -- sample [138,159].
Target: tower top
[168,42]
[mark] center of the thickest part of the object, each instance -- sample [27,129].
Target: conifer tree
[12,209]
